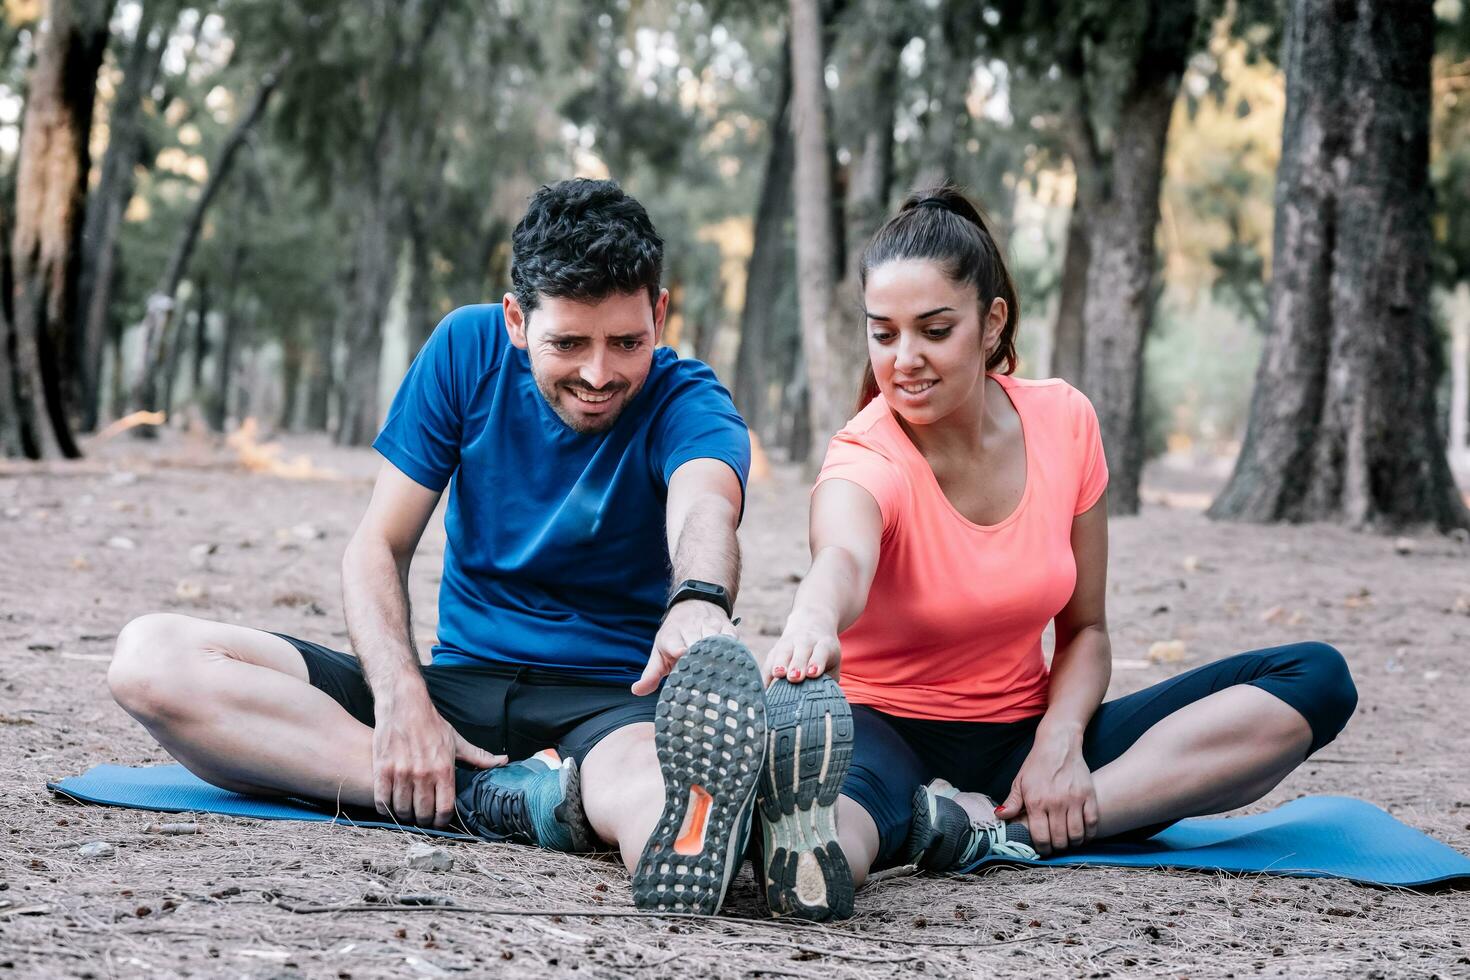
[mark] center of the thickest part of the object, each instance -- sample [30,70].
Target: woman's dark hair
[584,240]
[943,226]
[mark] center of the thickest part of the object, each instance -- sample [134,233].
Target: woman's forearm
[1080,672]
[832,594]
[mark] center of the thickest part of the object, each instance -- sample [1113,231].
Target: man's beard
[552,392]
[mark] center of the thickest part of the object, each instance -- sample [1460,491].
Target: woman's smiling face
[925,338]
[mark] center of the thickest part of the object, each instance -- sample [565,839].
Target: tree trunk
[159,314]
[117,394]
[201,344]
[1460,375]
[949,65]
[816,239]
[419,305]
[1342,424]
[15,439]
[109,201]
[865,208]
[51,186]
[173,356]
[12,443]
[292,359]
[319,376]
[1069,331]
[1118,307]
[770,263]
[217,407]
[371,290]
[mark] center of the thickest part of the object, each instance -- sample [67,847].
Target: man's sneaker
[805,872]
[534,801]
[710,733]
[942,837]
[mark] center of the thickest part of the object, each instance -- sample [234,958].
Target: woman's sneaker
[533,801]
[710,733]
[805,872]
[943,837]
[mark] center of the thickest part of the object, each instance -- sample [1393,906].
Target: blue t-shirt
[556,554]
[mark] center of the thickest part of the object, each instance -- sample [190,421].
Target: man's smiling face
[589,359]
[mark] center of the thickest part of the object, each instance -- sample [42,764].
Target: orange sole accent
[691,835]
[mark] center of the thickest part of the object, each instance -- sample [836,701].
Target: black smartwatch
[703,591]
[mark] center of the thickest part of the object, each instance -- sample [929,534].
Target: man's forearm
[375,599]
[706,548]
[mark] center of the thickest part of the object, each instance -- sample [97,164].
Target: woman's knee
[1328,684]
[149,675]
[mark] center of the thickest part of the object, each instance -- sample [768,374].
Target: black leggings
[893,756]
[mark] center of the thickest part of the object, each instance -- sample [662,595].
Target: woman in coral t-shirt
[960,512]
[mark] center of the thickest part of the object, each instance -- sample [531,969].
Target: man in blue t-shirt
[595,484]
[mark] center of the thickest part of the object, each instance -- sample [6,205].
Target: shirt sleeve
[1094,471]
[700,422]
[421,436]
[850,460]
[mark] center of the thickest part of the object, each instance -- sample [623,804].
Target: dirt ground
[182,525]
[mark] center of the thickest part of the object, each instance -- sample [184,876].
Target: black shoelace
[499,812]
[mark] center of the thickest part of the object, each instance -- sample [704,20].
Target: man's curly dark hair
[584,240]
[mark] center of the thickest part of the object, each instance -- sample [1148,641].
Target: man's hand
[1054,790]
[686,624]
[414,750]
[808,648]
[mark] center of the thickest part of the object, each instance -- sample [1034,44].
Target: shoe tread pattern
[800,784]
[709,731]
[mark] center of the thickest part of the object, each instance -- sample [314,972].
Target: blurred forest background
[260,208]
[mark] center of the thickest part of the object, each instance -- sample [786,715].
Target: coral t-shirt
[952,628]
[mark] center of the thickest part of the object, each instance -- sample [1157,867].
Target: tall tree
[126,142]
[51,183]
[158,320]
[1121,224]
[1342,424]
[816,233]
[769,263]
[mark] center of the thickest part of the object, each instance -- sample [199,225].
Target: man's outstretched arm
[702,514]
[413,747]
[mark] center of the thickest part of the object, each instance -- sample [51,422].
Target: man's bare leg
[235,707]
[623,790]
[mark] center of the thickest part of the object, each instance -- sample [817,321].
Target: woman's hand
[808,648]
[1054,791]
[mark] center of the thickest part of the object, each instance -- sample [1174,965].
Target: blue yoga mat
[1313,837]
[174,789]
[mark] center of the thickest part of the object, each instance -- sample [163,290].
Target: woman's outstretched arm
[846,532]
[1054,790]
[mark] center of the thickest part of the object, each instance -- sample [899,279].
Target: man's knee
[630,753]
[150,672]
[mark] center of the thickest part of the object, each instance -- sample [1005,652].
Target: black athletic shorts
[514,711]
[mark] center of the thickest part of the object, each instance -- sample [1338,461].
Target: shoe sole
[569,811]
[921,829]
[710,733]
[811,732]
